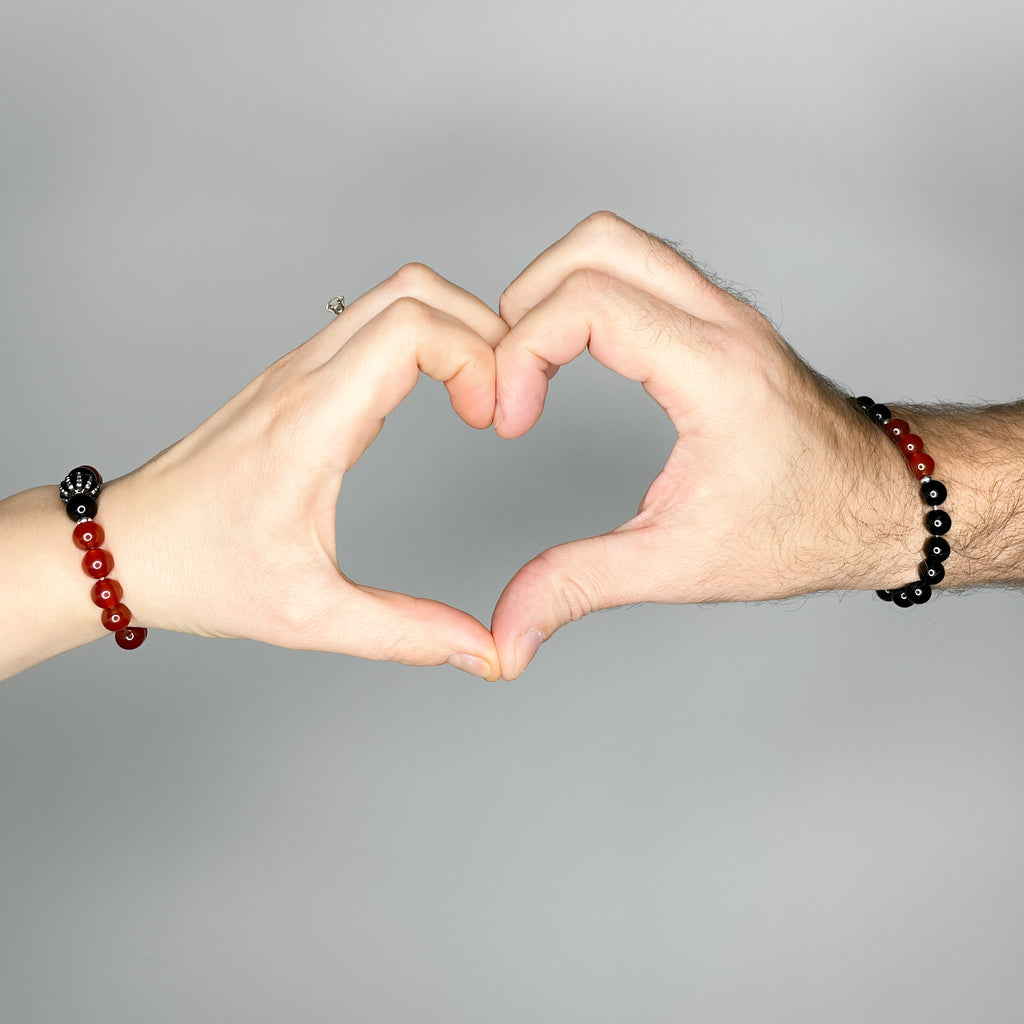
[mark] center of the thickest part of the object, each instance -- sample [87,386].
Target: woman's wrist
[43,590]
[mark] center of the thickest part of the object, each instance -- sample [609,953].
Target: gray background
[799,812]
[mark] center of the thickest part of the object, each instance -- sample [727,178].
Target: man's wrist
[979,456]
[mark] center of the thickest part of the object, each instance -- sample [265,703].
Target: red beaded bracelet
[79,491]
[933,493]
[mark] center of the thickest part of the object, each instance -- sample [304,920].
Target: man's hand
[776,485]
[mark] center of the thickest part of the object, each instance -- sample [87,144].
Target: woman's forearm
[44,594]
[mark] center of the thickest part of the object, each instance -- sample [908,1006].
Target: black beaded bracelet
[937,520]
[79,491]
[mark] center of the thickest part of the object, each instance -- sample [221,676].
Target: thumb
[567,582]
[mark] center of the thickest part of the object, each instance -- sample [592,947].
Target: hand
[776,485]
[231,532]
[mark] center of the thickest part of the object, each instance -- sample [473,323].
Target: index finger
[382,362]
[631,332]
[609,244]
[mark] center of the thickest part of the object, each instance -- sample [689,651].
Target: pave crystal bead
[81,480]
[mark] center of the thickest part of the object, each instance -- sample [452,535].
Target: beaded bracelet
[79,491]
[937,520]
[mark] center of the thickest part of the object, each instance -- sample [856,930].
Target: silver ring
[336,305]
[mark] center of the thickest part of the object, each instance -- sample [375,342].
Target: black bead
[885,595]
[880,413]
[936,549]
[933,493]
[932,571]
[81,507]
[918,592]
[901,597]
[865,403]
[81,480]
[938,522]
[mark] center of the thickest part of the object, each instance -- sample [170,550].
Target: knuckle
[408,313]
[510,307]
[602,225]
[572,592]
[588,283]
[413,279]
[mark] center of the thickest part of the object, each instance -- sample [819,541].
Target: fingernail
[526,647]
[470,663]
[498,416]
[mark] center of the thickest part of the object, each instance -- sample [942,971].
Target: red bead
[910,444]
[897,429]
[106,593]
[131,637]
[115,618]
[98,563]
[922,465]
[87,535]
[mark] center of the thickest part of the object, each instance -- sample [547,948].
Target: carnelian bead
[910,444]
[106,593]
[922,465]
[896,429]
[115,618]
[131,637]
[87,535]
[98,563]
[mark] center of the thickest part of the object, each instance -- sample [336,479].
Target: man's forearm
[979,456]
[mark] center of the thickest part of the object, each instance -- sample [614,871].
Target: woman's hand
[231,532]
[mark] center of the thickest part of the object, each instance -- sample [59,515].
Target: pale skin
[776,486]
[231,532]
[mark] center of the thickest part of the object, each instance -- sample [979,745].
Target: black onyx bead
[932,571]
[865,403]
[938,522]
[901,598]
[918,592]
[880,413]
[81,507]
[936,549]
[885,595]
[933,492]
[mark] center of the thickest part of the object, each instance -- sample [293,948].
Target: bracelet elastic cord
[79,491]
[936,520]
